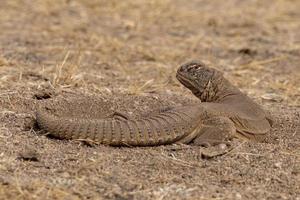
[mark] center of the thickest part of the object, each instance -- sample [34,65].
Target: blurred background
[126,45]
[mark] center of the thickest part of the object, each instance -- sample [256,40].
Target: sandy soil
[125,54]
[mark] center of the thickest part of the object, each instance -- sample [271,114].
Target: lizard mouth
[185,81]
[188,83]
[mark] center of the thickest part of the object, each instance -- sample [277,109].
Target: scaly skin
[178,125]
[224,112]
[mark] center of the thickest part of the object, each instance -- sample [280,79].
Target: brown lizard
[219,96]
[224,112]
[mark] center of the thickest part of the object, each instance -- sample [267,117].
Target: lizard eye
[197,67]
[191,67]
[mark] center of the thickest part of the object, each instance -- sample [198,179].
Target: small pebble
[238,196]
[278,165]
[222,146]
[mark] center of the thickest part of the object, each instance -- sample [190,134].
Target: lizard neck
[226,92]
[221,90]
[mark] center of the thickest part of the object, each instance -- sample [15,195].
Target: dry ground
[126,54]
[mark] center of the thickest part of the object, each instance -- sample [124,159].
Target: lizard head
[199,78]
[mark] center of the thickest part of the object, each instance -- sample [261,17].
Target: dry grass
[128,52]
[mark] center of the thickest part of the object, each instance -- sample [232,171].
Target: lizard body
[224,112]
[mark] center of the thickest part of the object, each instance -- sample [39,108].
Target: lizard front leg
[215,130]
